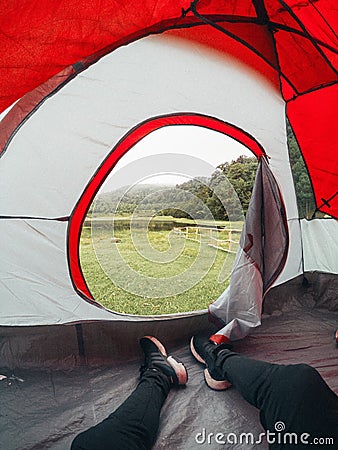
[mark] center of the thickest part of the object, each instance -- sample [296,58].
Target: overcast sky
[198,151]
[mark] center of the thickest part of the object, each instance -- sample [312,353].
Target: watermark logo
[277,436]
[279,426]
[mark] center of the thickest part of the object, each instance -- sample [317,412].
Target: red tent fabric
[297,40]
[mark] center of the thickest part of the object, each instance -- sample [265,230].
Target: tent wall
[71,133]
[105,342]
[320,245]
[90,343]
[59,147]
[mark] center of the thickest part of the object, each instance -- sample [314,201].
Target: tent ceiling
[47,38]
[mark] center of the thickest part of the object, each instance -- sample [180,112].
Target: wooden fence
[196,234]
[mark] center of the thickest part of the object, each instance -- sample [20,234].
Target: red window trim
[126,143]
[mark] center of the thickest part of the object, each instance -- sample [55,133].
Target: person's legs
[134,425]
[293,394]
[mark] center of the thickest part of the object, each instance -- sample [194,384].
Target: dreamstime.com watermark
[278,436]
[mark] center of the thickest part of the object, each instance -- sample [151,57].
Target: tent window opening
[162,233]
[303,188]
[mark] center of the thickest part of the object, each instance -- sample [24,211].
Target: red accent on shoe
[219,339]
[337,338]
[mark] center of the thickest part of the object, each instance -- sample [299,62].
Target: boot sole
[179,368]
[215,385]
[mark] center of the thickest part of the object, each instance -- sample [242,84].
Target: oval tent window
[161,235]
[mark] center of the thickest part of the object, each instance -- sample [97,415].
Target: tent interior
[81,85]
[62,379]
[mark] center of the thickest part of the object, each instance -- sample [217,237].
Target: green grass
[169,262]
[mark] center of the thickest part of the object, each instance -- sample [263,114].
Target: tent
[81,84]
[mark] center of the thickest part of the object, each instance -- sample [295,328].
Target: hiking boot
[206,351]
[155,357]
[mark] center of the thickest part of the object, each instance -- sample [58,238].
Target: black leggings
[134,425]
[294,395]
[291,398]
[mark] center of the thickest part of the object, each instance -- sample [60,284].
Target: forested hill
[182,200]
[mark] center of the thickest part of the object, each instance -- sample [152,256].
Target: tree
[213,192]
[241,174]
[186,200]
[217,192]
[303,188]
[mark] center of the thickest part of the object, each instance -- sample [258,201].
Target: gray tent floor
[49,407]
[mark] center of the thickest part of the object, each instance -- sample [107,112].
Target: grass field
[157,272]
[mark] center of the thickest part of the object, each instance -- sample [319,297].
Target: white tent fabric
[57,150]
[320,244]
[72,132]
[34,280]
